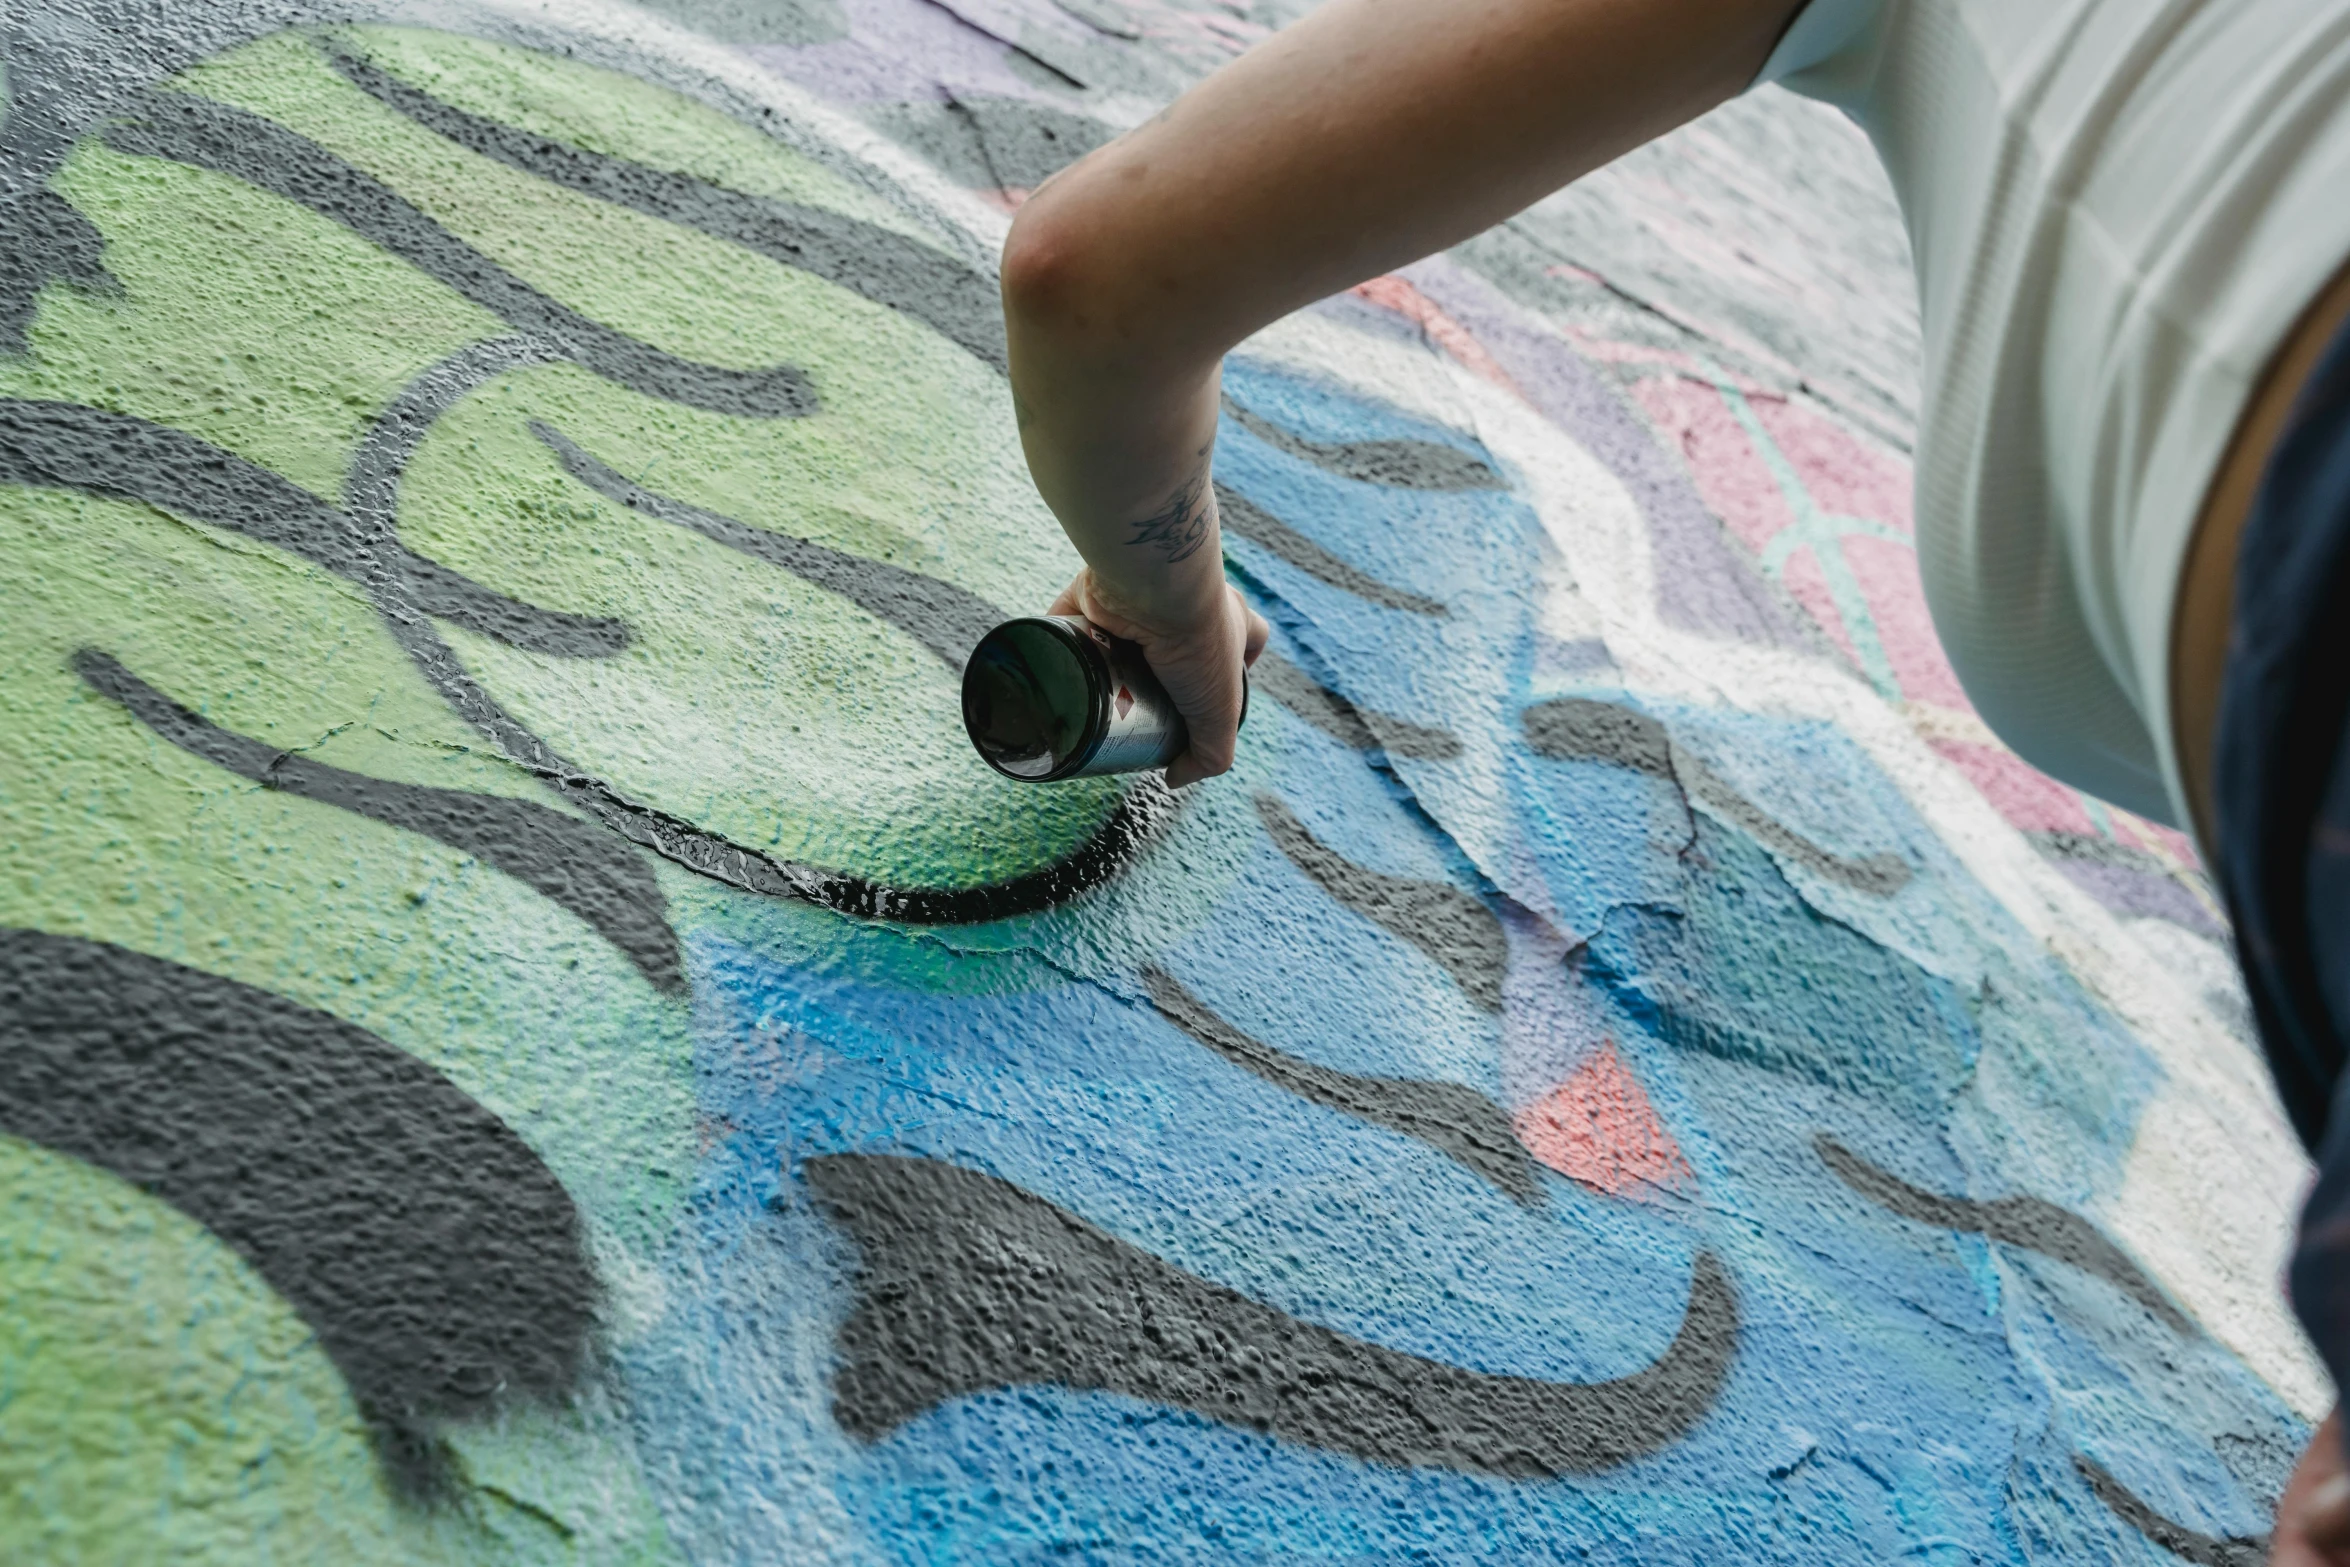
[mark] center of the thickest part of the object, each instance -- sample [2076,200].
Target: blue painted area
[1900,1392]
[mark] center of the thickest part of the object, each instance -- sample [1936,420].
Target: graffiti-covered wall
[526,1035]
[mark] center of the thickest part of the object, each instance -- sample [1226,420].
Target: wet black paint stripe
[947,620]
[1458,933]
[968,1284]
[1357,727]
[575,864]
[1578,729]
[1404,464]
[953,299]
[1241,516]
[206,134]
[374,480]
[1455,1120]
[2029,1223]
[2187,1544]
[442,1266]
[67,446]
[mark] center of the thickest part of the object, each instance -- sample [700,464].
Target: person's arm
[1370,134]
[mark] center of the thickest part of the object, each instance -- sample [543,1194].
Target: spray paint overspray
[528,1035]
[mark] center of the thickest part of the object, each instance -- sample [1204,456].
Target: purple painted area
[1704,583]
[2140,893]
[900,51]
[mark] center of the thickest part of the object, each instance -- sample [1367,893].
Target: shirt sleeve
[1818,32]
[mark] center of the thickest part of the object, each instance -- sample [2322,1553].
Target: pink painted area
[1598,1128]
[1845,476]
[1888,576]
[1399,295]
[1720,457]
[1808,586]
[2027,797]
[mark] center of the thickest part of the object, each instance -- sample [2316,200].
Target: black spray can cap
[1049,697]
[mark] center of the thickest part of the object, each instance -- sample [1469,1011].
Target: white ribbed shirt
[2118,208]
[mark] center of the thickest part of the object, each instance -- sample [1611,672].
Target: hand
[1200,660]
[2313,1516]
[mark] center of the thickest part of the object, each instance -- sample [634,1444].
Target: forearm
[1370,134]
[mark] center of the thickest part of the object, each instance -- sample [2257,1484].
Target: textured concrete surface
[525,1035]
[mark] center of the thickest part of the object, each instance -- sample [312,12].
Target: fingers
[2313,1516]
[2326,1520]
[1201,665]
[1258,632]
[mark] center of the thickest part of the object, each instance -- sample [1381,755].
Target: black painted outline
[968,1284]
[575,864]
[443,1267]
[205,133]
[1400,464]
[73,447]
[1458,933]
[2028,1223]
[949,296]
[1357,727]
[2187,1544]
[1579,729]
[1244,517]
[1457,1121]
[946,619]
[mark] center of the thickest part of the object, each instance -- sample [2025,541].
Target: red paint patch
[1125,701]
[1598,1128]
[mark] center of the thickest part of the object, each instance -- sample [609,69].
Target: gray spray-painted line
[1404,464]
[955,300]
[1357,727]
[577,865]
[2029,1223]
[206,134]
[1455,1120]
[442,1266]
[1457,933]
[371,485]
[1578,729]
[124,458]
[1241,516]
[968,1284]
[2243,1550]
[946,619]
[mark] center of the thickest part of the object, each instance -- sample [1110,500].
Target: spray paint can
[1049,697]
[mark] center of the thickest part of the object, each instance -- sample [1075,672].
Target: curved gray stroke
[2187,1544]
[1405,464]
[955,300]
[575,864]
[1579,729]
[1457,932]
[68,446]
[442,1266]
[1244,517]
[1452,1118]
[1358,727]
[968,1284]
[207,134]
[947,620]
[2030,1223]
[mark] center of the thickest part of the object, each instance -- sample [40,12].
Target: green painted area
[156,1398]
[110,833]
[159,1403]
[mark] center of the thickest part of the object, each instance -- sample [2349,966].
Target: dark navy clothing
[2282,761]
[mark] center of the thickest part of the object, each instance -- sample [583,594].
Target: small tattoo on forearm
[1178,528]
